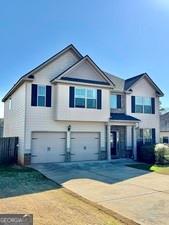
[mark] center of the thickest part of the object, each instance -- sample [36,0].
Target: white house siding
[143,88]
[45,75]
[85,71]
[42,118]
[14,119]
[63,112]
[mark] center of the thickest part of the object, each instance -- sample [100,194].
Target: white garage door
[84,146]
[48,147]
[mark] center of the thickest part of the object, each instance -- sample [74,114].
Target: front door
[113,144]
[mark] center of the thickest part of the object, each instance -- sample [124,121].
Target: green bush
[162,154]
[145,153]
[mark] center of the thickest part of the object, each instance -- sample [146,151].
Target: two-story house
[68,109]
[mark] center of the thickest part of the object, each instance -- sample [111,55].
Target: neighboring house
[1,127]
[164,128]
[68,109]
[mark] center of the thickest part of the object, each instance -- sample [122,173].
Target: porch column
[108,142]
[134,142]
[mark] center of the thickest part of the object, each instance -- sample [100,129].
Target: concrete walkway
[135,194]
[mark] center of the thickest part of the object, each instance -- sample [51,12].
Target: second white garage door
[84,146]
[48,147]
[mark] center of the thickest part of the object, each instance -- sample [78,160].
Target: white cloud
[1,110]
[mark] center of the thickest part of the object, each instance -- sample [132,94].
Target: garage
[85,146]
[48,147]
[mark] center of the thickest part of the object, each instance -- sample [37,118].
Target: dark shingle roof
[122,116]
[129,82]
[119,82]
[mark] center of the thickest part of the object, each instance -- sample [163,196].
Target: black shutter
[153,135]
[119,101]
[141,136]
[99,99]
[48,96]
[71,97]
[133,104]
[34,95]
[153,105]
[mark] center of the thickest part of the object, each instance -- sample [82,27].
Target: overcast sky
[123,37]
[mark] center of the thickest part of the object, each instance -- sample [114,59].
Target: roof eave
[161,94]
[15,87]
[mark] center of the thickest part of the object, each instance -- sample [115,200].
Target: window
[41,95]
[139,104]
[113,101]
[85,98]
[165,140]
[143,105]
[147,105]
[144,136]
[147,135]
[91,98]
[10,104]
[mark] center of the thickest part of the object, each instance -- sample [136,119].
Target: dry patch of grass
[24,190]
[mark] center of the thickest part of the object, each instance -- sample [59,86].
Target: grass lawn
[24,190]
[152,168]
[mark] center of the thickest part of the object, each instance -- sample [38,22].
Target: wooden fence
[8,150]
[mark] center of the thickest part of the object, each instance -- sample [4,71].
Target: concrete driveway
[135,194]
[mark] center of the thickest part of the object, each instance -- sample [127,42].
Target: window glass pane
[139,104]
[139,100]
[165,140]
[147,101]
[41,101]
[80,102]
[91,103]
[41,90]
[147,134]
[147,105]
[139,109]
[91,93]
[113,101]
[147,109]
[80,92]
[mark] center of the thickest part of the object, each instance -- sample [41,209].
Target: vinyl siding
[143,88]
[14,119]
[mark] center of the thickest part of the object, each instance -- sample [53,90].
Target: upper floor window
[143,105]
[115,101]
[85,98]
[41,95]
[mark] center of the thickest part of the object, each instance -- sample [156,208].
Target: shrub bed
[146,153]
[162,154]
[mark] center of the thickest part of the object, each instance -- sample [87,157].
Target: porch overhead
[123,119]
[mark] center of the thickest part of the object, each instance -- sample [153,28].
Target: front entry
[113,144]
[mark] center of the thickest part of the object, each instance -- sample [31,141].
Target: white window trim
[44,86]
[85,97]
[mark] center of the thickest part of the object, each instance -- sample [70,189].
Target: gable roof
[29,76]
[131,81]
[61,76]
[118,82]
